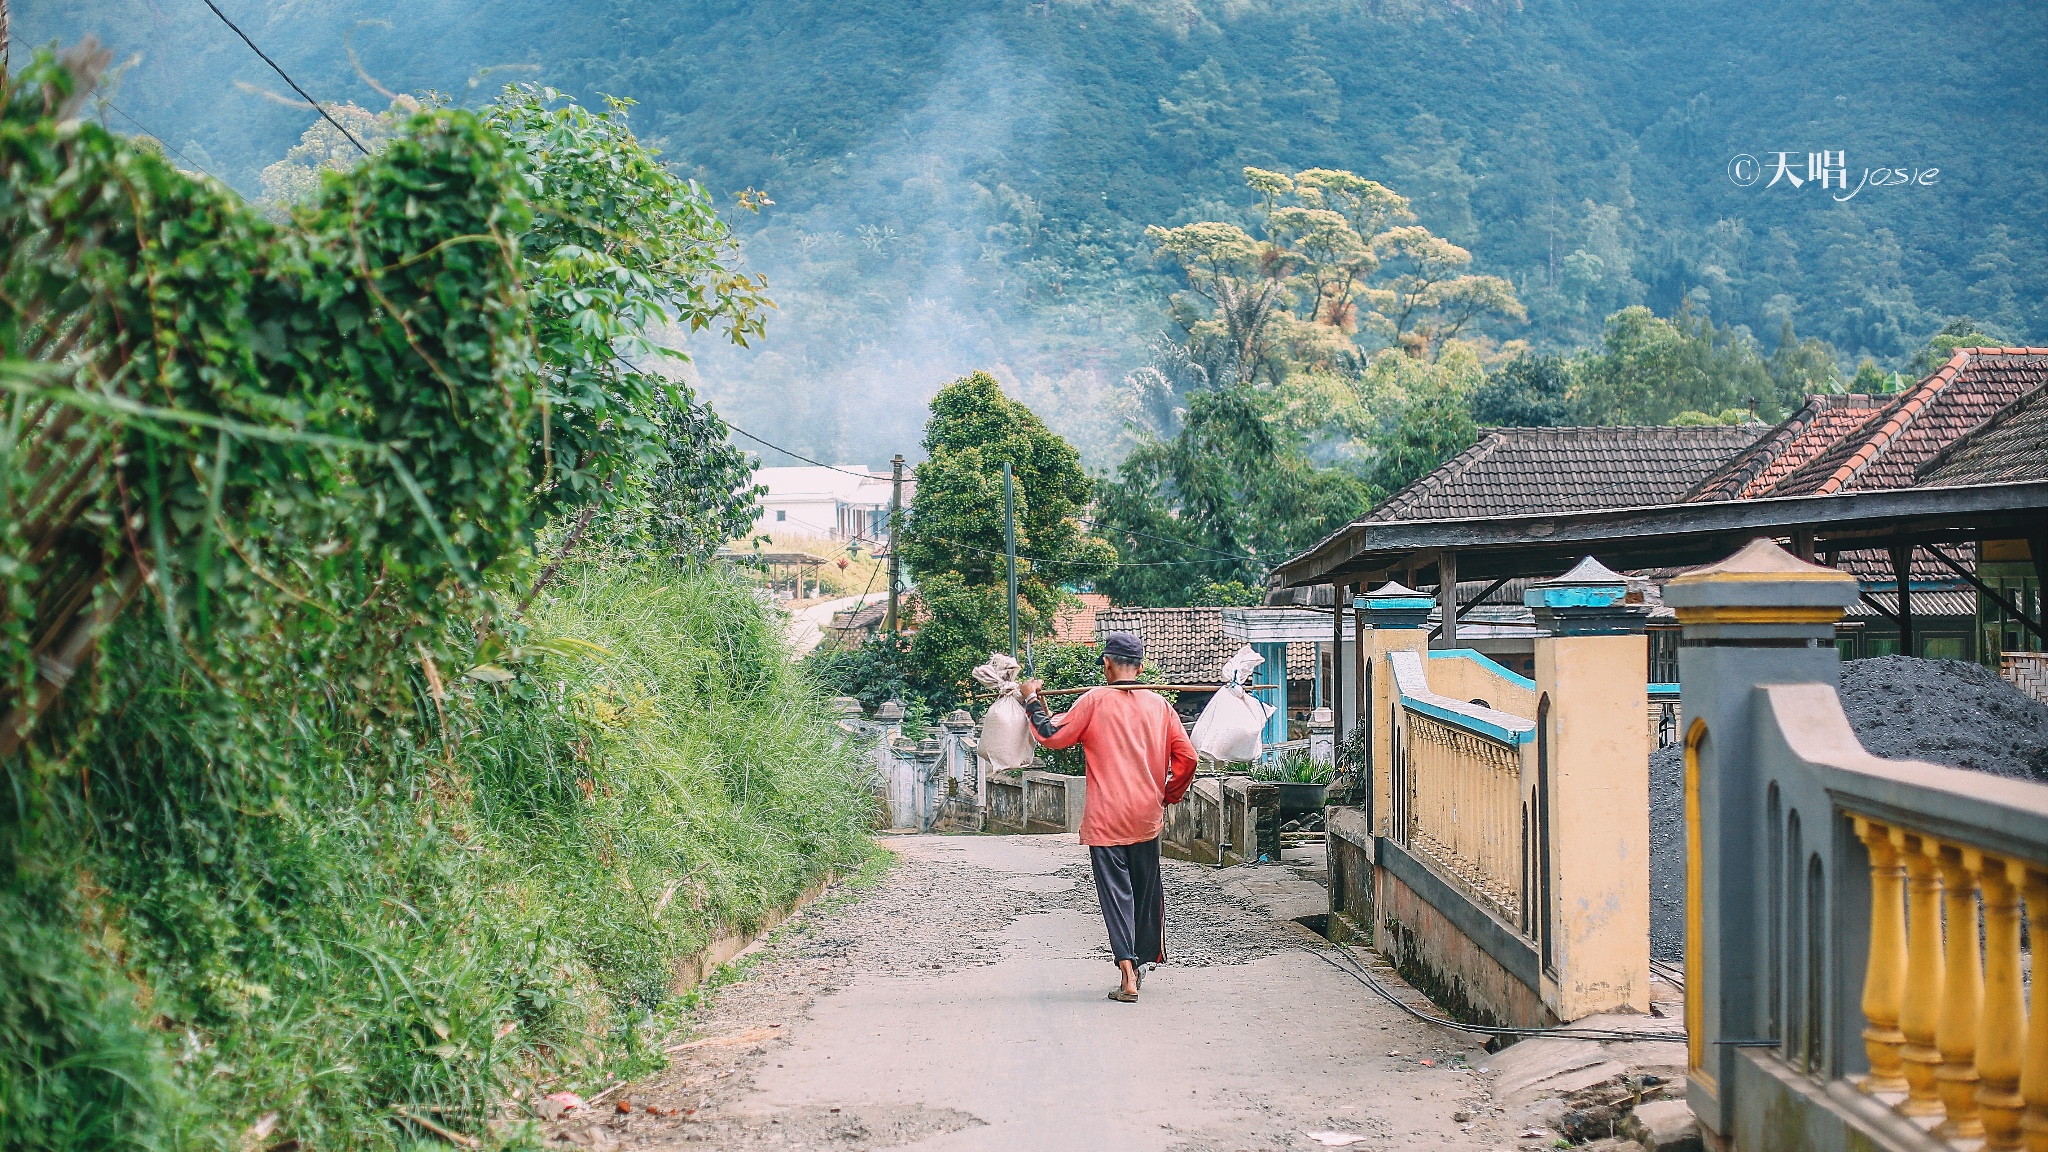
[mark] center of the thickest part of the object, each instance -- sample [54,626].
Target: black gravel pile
[1942,711]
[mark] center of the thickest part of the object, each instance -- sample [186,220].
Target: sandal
[1123,997]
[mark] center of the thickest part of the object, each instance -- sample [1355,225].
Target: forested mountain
[965,183]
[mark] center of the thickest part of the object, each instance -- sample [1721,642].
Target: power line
[153,136]
[1168,540]
[796,455]
[317,106]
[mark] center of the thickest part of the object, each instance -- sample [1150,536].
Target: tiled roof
[1511,471]
[2011,447]
[1886,449]
[1075,624]
[1187,645]
[1807,433]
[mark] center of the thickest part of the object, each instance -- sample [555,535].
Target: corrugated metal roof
[1926,602]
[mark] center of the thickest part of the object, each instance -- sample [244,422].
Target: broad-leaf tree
[953,541]
[1331,257]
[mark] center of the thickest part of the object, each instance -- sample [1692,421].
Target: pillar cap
[1393,606]
[959,719]
[1761,584]
[890,711]
[1589,600]
[846,706]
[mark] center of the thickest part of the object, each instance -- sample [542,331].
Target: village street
[960,1004]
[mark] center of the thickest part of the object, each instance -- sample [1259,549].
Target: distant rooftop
[1514,471]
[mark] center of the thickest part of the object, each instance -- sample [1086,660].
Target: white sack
[1233,725]
[1005,728]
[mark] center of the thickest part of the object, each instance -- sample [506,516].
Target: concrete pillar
[961,764]
[1762,616]
[1590,824]
[1398,619]
[1322,736]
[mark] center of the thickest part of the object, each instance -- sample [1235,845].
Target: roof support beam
[1996,597]
[1447,596]
[1476,602]
[1902,573]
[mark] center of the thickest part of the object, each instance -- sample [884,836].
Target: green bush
[314,904]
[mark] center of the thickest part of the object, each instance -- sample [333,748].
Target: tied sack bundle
[1006,729]
[1233,725]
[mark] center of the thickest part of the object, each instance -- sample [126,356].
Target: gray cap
[1123,647]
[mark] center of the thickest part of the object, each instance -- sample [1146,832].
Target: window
[1946,647]
[782,513]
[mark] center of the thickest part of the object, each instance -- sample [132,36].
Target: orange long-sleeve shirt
[1139,760]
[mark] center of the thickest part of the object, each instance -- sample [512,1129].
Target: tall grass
[343,910]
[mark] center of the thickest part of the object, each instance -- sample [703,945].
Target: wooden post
[1902,578]
[1332,698]
[1447,596]
[893,624]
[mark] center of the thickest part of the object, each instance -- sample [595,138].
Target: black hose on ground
[1363,975]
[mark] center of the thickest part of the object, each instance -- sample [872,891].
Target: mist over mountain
[965,184]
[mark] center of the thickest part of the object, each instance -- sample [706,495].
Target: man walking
[1139,760]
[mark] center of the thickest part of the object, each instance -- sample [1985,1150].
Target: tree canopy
[954,541]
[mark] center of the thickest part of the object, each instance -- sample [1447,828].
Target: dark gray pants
[1133,900]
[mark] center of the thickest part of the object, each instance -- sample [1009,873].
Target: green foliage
[1232,492]
[294,412]
[1294,767]
[1649,369]
[1290,298]
[620,250]
[954,540]
[1529,391]
[1431,417]
[982,173]
[1230,594]
[878,671]
[332,911]
[1961,332]
[270,854]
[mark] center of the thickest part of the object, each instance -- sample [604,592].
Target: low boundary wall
[1439,937]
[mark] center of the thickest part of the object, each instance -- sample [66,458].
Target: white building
[848,503]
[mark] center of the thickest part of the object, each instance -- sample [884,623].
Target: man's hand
[1030,688]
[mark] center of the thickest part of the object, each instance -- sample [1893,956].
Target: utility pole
[1010,549]
[891,624]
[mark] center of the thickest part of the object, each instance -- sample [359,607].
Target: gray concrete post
[1762,616]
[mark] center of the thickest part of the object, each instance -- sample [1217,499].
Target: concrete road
[806,626]
[961,1006]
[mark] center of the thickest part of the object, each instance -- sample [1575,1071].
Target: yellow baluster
[1884,978]
[1962,995]
[2034,1076]
[2005,1022]
[1920,1012]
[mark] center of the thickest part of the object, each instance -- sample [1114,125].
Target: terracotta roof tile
[1187,645]
[1076,624]
[1511,471]
[1887,449]
[1818,424]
